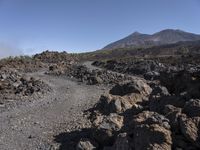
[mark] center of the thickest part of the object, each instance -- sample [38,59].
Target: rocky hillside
[168,36]
[187,48]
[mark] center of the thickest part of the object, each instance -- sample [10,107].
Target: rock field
[109,105]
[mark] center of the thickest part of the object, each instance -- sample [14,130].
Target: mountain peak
[167,36]
[136,33]
[171,31]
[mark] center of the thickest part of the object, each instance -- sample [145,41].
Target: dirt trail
[33,125]
[89,65]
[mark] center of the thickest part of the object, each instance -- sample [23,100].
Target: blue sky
[30,26]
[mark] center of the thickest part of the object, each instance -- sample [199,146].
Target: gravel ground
[37,124]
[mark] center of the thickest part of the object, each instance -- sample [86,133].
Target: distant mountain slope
[179,49]
[167,36]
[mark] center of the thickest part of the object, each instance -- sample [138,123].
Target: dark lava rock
[192,108]
[151,131]
[190,128]
[135,86]
[107,128]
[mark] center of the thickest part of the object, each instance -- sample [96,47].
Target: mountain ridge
[167,36]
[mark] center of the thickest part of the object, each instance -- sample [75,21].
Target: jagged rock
[190,128]
[115,104]
[131,93]
[172,113]
[151,131]
[152,137]
[147,117]
[86,144]
[175,93]
[130,87]
[107,127]
[192,108]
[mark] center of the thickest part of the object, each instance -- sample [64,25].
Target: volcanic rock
[151,131]
[86,144]
[192,108]
[190,128]
[107,128]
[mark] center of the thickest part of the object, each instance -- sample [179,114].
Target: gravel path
[89,65]
[34,125]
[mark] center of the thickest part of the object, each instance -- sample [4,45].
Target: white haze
[7,50]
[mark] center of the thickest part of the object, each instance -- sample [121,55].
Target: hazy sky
[85,25]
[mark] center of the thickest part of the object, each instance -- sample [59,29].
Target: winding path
[34,124]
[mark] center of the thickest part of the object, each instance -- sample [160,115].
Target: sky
[32,26]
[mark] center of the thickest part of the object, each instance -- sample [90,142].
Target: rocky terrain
[150,69]
[16,88]
[36,107]
[22,64]
[58,101]
[161,113]
[17,77]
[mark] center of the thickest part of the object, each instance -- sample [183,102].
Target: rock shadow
[69,140]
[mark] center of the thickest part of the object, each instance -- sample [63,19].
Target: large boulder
[124,96]
[151,131]
[107,128]
[136,86]
[116,104]
[152,137]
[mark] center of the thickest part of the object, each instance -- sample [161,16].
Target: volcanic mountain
[167,36]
